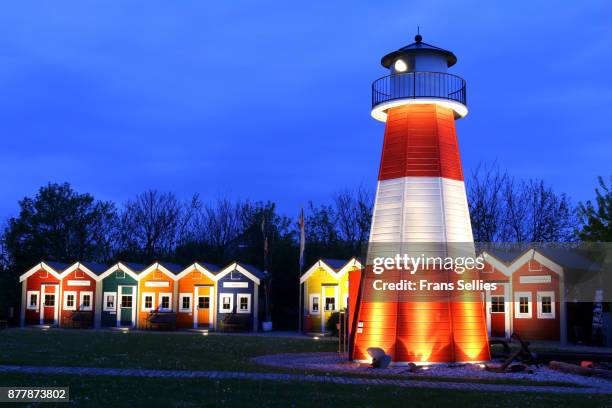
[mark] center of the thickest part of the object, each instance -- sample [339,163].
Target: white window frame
[29,295]
[74,302]
[181,297]
[243,296]
[517,305]
[104,305]
[504,303]
[231,304]
[312,311]
[552,313]
[335,309]
[144,301]
[159,305]
[89,308]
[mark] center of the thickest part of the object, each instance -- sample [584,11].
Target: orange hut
[157,291]
[196,296]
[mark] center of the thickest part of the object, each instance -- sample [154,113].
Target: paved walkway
[129,372]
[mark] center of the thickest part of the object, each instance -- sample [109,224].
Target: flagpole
[300,267]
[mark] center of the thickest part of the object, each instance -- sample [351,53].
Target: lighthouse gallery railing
[422,84]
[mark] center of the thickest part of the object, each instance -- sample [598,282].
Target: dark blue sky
[268,100]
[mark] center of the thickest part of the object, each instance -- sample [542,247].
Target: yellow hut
[325,290]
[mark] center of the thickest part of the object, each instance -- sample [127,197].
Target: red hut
[78,294]
[40,293]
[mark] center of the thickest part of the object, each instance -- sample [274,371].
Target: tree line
[61,224]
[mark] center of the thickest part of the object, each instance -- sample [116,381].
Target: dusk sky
[271,100]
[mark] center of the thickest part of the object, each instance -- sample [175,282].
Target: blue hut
[238,297]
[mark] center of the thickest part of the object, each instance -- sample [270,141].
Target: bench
[79,319]
[235,322]
[161,321]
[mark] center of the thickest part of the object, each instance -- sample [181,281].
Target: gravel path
[333,363]
[126,372]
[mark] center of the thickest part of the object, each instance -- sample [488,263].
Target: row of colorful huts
[529,299]
[87,294]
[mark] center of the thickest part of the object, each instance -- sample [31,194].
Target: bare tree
[486,201]
[353,215]
[154,223]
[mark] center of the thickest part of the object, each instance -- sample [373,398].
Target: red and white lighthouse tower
[421,209]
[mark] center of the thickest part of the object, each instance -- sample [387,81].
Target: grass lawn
[168,351]
[121,391]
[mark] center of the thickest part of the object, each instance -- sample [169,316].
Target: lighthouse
[420,210]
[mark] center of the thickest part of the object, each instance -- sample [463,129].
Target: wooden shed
[196,296]
[238,297]
[157,292]
[118,296]
[40,293]
[325,290]
[78,294]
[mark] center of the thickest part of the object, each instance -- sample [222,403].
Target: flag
[302,239]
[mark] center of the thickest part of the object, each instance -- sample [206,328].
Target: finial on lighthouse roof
[418,38]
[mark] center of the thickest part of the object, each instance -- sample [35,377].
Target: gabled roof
[47,266]
[336,273]
[83,266]
[247,270]
[134,267]
[120,266]
[57,266]
[172,267]
[206,268]
[95,267]
[163,267]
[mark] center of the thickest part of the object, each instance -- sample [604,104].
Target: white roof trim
[78,265]
[509,269]
[199,268]
[239,268]
[116,267]
[353,262]
[157,266]
[38,267]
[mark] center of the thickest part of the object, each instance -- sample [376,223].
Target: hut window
[314,304]
[330,303]
[49,300]
[226,303]
[522,305]
[203,302]
[147,302]
[546,305]
[109,301]
[164,302]
[32,300]
[126,301]
[185,302]
[497,304]
[244,302]
[70,300]
[85,301]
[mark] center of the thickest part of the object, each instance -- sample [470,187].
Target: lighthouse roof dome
[416,48]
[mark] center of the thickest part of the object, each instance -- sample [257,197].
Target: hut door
[50,297]
[203,305]
[329,303]
[126,315]
[498,311]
